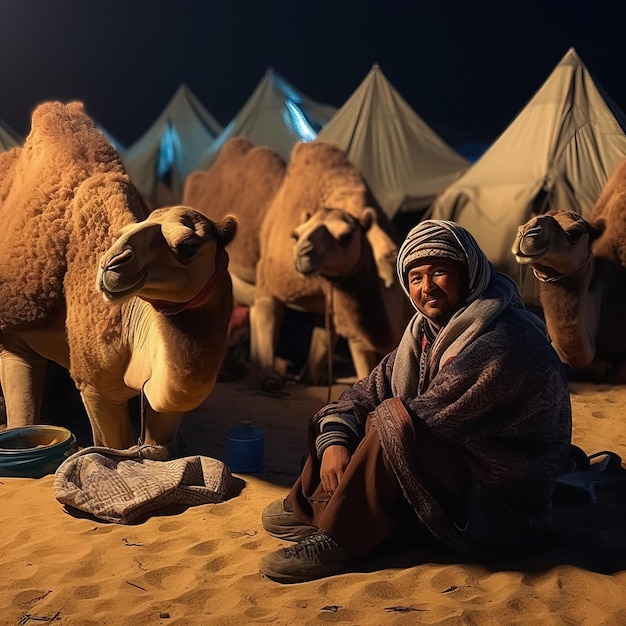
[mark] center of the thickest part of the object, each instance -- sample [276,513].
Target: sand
[199,565]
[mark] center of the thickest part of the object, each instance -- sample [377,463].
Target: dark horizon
[467,71]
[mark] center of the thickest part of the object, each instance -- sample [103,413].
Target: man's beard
[440,318]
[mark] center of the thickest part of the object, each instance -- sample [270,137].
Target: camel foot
[272,383]
[266,380]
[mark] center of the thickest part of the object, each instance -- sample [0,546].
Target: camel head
[170,257]
[330,242]
[556,245]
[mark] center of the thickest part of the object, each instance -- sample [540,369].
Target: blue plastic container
[244,448]
[34,451]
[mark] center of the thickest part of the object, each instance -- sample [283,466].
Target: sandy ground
[199,565]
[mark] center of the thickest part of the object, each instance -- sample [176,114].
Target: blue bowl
[34,451]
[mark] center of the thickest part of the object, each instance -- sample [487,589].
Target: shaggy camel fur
[127,303]
[253,183]
[583,295]
[242,181]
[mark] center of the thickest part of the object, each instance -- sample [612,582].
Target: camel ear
[367,219]
[596,229]
[226,229]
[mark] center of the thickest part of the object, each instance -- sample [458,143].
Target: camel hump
[39,185]
[55,121]
[609,215]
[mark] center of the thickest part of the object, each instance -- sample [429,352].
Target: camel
[582,294]
[129,303]
[270,200]
[333,256]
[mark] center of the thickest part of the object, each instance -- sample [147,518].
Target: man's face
[438,287]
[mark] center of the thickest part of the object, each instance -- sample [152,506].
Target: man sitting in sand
[460,431]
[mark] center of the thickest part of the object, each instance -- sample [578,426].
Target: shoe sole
[292,579]
[294,533]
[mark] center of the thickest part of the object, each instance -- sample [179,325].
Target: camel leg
[364,360]
[317,360]
[110,420]
[160,428]
[22,376]
[266,317]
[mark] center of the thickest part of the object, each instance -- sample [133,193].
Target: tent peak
[405,163]
[181,89]
[571,55]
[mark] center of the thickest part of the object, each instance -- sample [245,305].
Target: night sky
[466,67]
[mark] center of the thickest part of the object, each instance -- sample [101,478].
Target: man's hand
[334,462]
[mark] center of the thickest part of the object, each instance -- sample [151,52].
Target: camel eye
[186,251]
[344,239]
[575,234]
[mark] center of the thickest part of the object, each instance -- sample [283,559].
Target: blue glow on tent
[171,145]
[295,118]
[289,92]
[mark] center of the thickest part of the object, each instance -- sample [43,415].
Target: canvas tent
[8,139]
[405,163]
[556,154]
[276,115]
[160,160]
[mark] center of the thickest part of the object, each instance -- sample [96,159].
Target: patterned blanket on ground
[123,485]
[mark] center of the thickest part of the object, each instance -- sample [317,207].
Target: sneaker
[280,523]
[316,556]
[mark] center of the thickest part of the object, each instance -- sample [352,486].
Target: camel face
[555,245]
[169,256]
[329,243]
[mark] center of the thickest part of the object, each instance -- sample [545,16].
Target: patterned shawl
[465,326]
